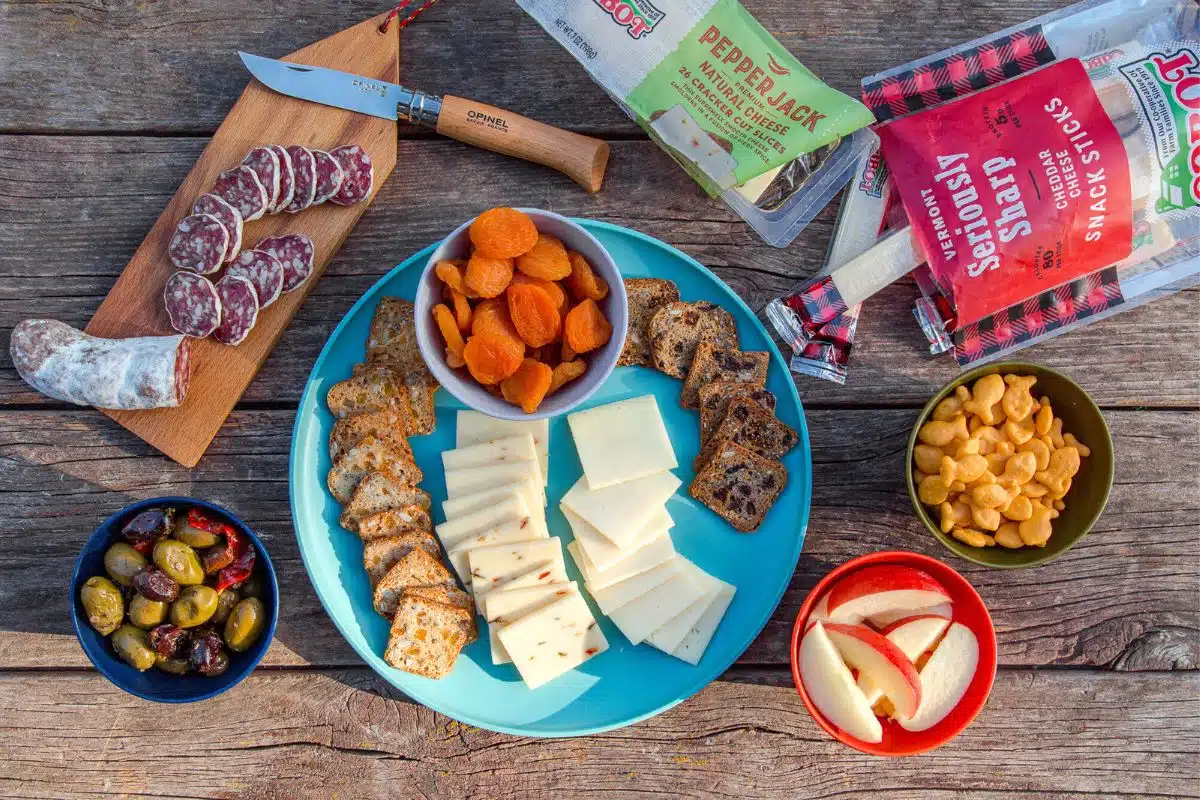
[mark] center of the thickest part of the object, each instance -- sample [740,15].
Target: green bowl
[1089,488]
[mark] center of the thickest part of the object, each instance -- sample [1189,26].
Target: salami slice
[287,179]
[192,304]
[130,374]
[265,164]
[264,271]
[360,174]
[242,189]
[305,167]
[329,176]
[215,206]
[239,309]
[295,252]
[199,244]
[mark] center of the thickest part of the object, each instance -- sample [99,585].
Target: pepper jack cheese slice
[529,563]
[505,606]
[611,598]
[641,617]
[621,441]
[672,633]
[660,550]
[603,553]
[473,428]
[512,449]
[620,512]
[692,648]
[509,509]
[553,639]
[465,504]
[472,480]
[511,532]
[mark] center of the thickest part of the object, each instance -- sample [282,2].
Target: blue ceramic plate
[627,683]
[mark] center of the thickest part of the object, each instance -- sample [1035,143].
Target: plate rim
[692,688]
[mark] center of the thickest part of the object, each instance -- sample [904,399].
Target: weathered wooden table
[103,108]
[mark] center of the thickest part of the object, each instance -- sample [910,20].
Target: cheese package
[692,648]
[658,551]
[553,639]
[510,508]
[469,503]
[505,606]
[476,479]
[643,615]
[671,634]
[620,512]
[621,441]
[473,427]
[499,451]
[603,553]
[610,598]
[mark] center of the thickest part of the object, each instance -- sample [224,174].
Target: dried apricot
[533,314]
[492,316]
[488,277]
[556,292]
[566,372]
[586,327]
[546,259]
[567,353]
[503,233]
[527,386]
[491,357]
[583,281]
[462,310]
[450,332]
[451,274]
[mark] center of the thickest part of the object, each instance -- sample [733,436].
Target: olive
[103,603]
[226,600]
[175,666]
[169,640]
[195,606]
[122,562]
[133,647]
[156,584]
[179,561]
[207,656]
[146,613]
[245,624]
[252,586]
[188,530]
[149,526]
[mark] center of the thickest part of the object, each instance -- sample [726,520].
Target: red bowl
[968,608]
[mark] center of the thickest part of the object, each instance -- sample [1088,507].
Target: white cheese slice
[553,639]
[508,509]
[603,553]
[529,563]
[692,648]
[512,532]
[505,606]
[472,480]
[672,633]
[473,428]
[621,441]
[646,614]
[610,598]
[620,512]
[659,550]
[465,504]
[486,454]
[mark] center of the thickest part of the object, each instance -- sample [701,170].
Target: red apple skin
[898,623]
[890,651]
[882,578]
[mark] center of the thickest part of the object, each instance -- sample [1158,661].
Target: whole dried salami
[239,309]
[329,176]
[215,206]
[295,252]
[360,174]
[69,365]
[199,244]
[305,166]
[241,188]
[193,304]
[263,270]
[265,164]
[287,179]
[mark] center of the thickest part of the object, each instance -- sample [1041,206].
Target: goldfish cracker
[1036,530]
[988,437]
[966,469]
[992,495]
[948,409]
[957,487]
[1019,432]
[953,515]
[985,399]
[1018,470]
[962,449]
[973,538]
[1043,420]
[1064,464]
[933,491]
[1059,492]
[1019,509]
[986,479]
[1069,440]
[940,434]
[1034,490]
[928,458]
[918,476]
[1059,505]
[987,519]
[1056,434]
[1007,536]
[1018,401]
[999,456]
[1041,452]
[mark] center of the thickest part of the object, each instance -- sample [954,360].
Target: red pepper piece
[243,562]
[201,521]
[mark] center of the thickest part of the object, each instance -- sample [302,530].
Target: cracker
[390,425]
[379,491]
[748,424]
[713,363]
[416,568]
[426,637]
[370,455]
[646,296]
[715,398]
[739,485]
[384,552]
[395,521]
[677,329]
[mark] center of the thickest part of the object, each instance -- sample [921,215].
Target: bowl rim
[969,553]
[988,643]
[77,620]
[593,379]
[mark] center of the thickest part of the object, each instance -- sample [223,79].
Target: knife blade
[582,158]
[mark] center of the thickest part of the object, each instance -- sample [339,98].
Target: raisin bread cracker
[377,492]
[715,399]
[646,296]
[394,522]
[716,364]
[391,425]
[739,485]
[677,329]
[383,553]
[426,637]
[748,424]
[415,568]
[369,455]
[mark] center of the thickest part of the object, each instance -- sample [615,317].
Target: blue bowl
[154,684]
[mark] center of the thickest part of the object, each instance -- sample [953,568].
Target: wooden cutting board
[134,306]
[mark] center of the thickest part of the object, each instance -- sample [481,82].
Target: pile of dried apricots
[520,310]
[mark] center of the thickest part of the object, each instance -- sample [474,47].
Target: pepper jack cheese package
[715,90]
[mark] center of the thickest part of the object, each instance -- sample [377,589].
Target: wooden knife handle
[579,157]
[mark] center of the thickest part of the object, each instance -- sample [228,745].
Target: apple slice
[887,618]
[913,635]
[831,687]
[945,678]
[879,661]
[877,590]
[819,613]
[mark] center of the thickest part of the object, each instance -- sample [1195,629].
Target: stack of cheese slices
[617,511]
[496,539]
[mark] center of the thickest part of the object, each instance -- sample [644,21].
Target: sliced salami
[215,206]
[193,304]
[295,252]
[199,244]
[265,164]
[239,309]
[329,176]
[264,271]
[305,167]
[287,179]
[131,374]
[242,189]
[360,174]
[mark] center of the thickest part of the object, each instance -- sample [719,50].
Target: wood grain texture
[134,306]
[1123,597]
[348,734]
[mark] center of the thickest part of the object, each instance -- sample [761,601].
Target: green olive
[194,537]
[133,647]
[245,624]
[175,666]
[195,606]
[122,562]
[146,613]
[252,586]
[226,600]
[179,561]
[103,603]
